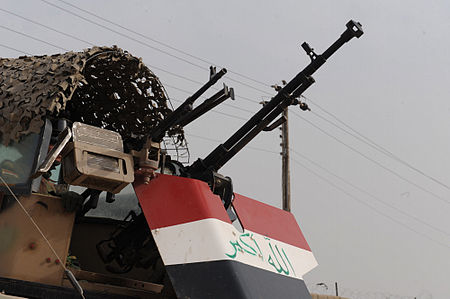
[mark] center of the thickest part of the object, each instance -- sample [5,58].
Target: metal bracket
[147,159]
[223,186]
[63,138]
[275,124]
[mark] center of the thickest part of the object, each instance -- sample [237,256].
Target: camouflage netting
[101,86]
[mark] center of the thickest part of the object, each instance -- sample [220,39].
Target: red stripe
[269,221]
[170,200]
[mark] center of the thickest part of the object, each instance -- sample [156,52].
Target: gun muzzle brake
[355,28]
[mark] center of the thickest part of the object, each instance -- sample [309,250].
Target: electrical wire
[349,194]
[349,183]
[368,205]
[372,143]
[14,49]
[45,26]
[92,44]
[369,194]
[372,160]
[32,37]
[159,42]
[144,43]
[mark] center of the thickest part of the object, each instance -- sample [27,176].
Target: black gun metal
[222,95]
[173,118]
[285,97]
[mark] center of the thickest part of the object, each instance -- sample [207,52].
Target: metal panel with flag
[206,256]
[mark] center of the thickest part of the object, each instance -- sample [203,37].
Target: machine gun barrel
[173,119]
[207,105]
[285,97]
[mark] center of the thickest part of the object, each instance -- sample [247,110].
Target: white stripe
[211,240]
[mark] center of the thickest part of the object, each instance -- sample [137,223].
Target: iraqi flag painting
[208,256]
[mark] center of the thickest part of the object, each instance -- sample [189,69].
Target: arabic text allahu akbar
[277,258]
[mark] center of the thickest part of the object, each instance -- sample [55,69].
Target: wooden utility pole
[285,172]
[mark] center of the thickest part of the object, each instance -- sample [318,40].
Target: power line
[368,205]
[45,26]
[354,186]
[143,43]
[361,190]
[58,47]
[32,37]
[373,161]
[14,49]
[373,144]
[159,42]
[123,35]
[369,194]
[92,44]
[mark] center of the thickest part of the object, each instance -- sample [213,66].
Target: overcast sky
[392,233]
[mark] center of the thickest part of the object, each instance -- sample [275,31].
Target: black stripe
[232,279]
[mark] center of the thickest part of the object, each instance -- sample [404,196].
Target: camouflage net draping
[101,86]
